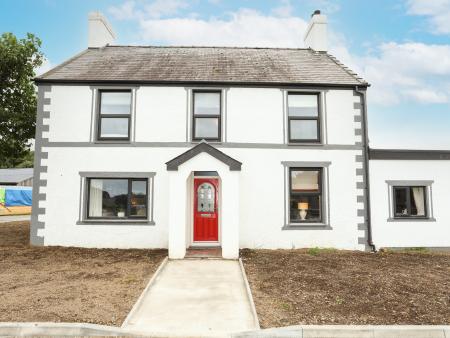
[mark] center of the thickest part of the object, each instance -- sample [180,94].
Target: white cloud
[126,11]
[141,10]
[438,12]
[398,72]
[242,28]
[407,72]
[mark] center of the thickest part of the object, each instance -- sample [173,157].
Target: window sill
[112,142]
[300,144]
[411,219]
[115,222]
[307,226]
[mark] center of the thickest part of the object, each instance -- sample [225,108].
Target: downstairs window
[409,202]
[117,198]
[305,195]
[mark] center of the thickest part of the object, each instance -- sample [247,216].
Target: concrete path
[195,298]
[14,218]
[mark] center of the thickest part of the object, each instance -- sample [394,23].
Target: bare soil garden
[60,284]
[292,287]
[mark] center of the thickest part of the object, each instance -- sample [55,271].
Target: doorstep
[210,252]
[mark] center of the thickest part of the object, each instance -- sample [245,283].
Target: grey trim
[83,219]
[410,154]
[203,84]
[190,144]
[412,219]
[306,164]
[115,223]
[39,169]
[410,182]
[122,174]
[307,227]
[363,185]
[173,164]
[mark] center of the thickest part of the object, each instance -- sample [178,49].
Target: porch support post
[177,215]
[230,214]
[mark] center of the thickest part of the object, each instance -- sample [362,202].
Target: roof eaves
[347,70]
[51,71]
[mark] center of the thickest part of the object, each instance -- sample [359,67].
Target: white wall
[260,192]
[253,115]
[410,233]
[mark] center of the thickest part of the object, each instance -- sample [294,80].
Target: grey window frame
[428,184]
[319,193]
[219,116]
[101,116]
[129,193]
[408,201]
[317,118]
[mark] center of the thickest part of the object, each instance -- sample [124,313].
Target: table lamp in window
[303,207]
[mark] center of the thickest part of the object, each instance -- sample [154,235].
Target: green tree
[18,60]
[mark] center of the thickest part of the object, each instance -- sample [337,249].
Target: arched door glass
[206,198]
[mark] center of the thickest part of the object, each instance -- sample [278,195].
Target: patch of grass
[316,251]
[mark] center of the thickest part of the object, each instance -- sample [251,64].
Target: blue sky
[401,47]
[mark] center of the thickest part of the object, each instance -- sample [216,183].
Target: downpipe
[365,136]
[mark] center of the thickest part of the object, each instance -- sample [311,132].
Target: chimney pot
[316,33]
[100,31]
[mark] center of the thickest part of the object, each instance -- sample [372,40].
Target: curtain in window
[419,199]
[95,198]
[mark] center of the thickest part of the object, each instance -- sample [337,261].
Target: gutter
[362,93]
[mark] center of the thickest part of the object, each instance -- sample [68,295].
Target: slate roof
[15,175]
[233,65]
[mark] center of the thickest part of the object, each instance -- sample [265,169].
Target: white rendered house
[178,147]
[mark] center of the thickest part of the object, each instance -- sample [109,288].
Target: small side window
[409,202]
[114,115]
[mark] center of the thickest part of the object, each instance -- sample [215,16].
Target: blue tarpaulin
[18,197]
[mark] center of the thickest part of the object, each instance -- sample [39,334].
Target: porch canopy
[203,157]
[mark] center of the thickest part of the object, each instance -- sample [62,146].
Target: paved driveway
[196,298]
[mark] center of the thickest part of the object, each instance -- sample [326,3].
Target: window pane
[417,195]
[114,127]
[207,103]
[307,180]
[206,198]
[207,128]
[138,198]
[303,130]
[108,197]
[303,105]
[401,204]
[305,208]
[115,103]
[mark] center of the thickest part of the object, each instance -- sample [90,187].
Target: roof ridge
[346,69]
[193,46]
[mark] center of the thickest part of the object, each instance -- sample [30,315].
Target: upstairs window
[303,117]
[305,195]
[114,115]
[409,202]
[206,116]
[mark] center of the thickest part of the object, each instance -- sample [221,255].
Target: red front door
[206,211]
